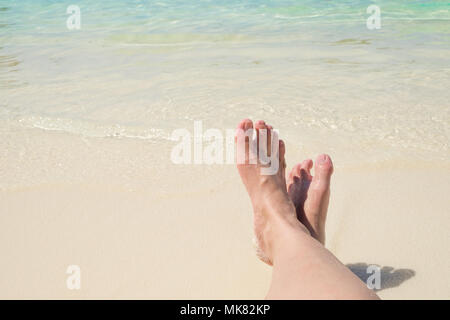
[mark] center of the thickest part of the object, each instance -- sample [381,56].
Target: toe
[302,170]
[322,172]
[295,172]
[263,135]
[316,205]
[306,165]
[246,124]
[281,153]
[242,140]
[260,124]
[305,168]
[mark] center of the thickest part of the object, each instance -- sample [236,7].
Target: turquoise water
[182,21]
[143,68]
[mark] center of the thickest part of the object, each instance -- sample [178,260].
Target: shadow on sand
[390,277]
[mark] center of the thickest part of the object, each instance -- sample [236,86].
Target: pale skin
[289,225]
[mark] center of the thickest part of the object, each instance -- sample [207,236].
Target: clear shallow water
[140,69]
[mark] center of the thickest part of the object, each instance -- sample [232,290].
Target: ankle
[283,232]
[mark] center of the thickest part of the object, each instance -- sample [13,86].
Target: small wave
[156,40]
[92,129]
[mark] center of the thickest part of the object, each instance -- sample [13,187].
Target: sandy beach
[87,122]
[150,234]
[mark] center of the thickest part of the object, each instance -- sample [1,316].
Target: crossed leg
[289,225]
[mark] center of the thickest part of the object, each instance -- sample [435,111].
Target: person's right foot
[310,195]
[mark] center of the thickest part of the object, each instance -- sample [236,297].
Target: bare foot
[274,212]
[310,195]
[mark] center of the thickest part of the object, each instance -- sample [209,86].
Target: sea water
[312,68]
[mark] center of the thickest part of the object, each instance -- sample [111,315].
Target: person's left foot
[273,212]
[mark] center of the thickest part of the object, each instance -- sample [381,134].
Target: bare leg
[302,267]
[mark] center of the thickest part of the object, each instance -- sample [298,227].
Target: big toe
[245,124]
[323,169]
[316,205]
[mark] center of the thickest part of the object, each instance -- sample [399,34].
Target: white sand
[140,227]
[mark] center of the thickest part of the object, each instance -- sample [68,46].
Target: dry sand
[140,227]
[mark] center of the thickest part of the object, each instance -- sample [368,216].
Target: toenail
[323,159]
